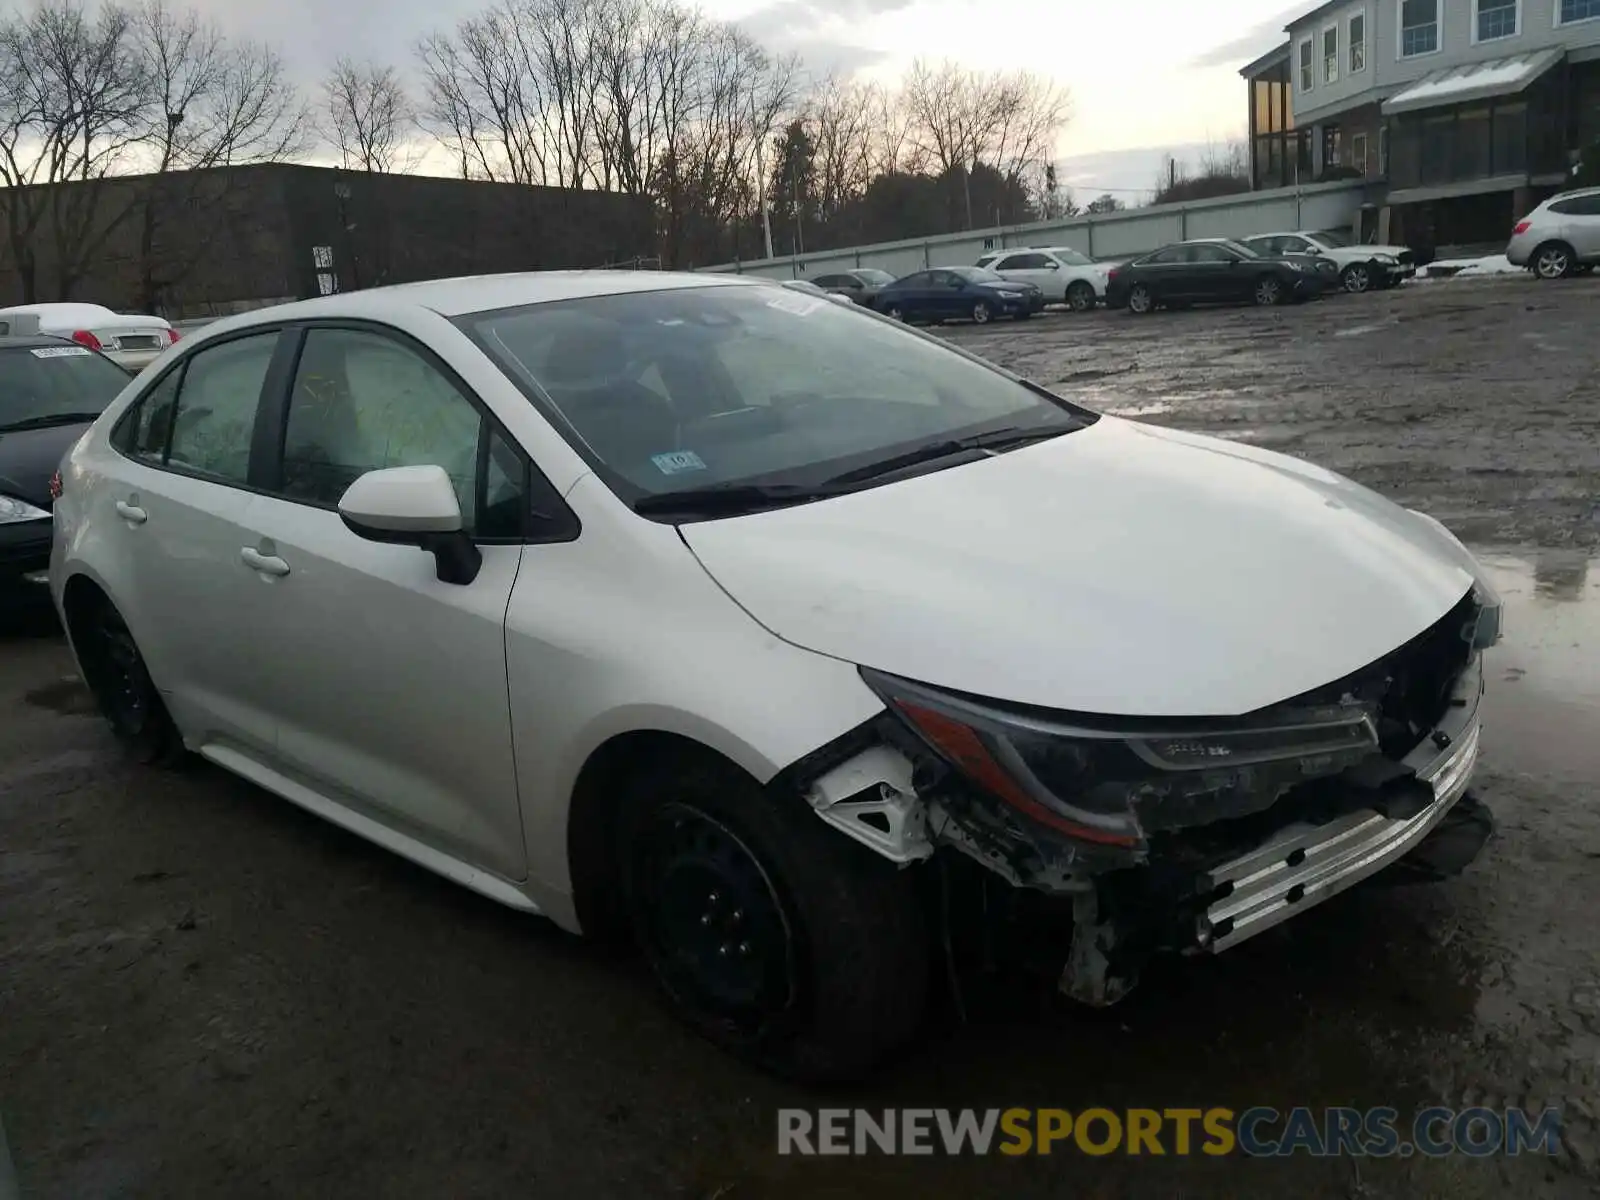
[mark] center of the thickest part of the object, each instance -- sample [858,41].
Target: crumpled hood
[1123,569]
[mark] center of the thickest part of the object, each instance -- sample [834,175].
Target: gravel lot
[205,992]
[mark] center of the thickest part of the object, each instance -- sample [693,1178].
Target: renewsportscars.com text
[1257,1132]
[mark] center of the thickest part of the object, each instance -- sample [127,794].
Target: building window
[1358,152]
[1496,19]
[1330,146]
[1330,54]
[1357,37]
[1383,152]
[1579,10]
[1306,79]
[1419,27]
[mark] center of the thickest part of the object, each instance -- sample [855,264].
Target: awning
[1476,81]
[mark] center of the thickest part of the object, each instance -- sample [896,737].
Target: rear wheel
[1553,260]
[117,677]
[1268,291]
[1080,297]
[981,312]
[771,934]
[1141,300]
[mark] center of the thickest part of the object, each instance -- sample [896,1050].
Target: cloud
[787,23]
[1251,44]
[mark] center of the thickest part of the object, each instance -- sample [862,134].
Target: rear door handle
[131,513]
[267,564]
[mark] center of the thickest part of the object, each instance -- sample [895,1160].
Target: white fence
[1103,236]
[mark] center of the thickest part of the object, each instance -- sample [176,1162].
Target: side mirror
[413,506]
[1055,266]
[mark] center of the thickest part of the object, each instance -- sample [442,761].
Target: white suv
[1561,237]
[1063,274]
[1361,267]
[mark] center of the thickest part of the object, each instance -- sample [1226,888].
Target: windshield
[44,385]
[1329,238]
[976,274]
[680,389]
[874,278]
[1072,258]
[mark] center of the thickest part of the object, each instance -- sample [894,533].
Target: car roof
[1575,193]
[61,309]
[483,293]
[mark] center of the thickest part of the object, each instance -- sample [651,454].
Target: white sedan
[130,340]
[1064,275]
[770,633]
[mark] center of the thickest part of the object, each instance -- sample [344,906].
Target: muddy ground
[205,992]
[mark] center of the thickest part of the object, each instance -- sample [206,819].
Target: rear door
[388,685]
[1581,224]
[178,515]
[1214,274]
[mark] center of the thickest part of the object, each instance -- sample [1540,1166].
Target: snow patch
[1469,268]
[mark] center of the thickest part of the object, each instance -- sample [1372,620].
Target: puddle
[1359,330]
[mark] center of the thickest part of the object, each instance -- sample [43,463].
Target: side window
[143,431]
[1262,245]
[362,402]
[1172,254]
[920,279]
[1209,254]
[216,408]
[1032,262]
[1013,263]
[1295,245]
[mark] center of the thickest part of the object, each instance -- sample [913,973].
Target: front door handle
[131,513]
[267,564]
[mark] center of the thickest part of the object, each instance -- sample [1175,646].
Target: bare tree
[367,116]
[71,98]
[209,104]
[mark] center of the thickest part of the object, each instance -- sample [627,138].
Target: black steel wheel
[120,682]
[770,933]
[713,926]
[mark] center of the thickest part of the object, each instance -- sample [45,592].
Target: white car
[130,340]
[1560,237]
[1361,267]
[692,607]
[1063,274]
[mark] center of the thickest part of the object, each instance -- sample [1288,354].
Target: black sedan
[50,392]
[954,293]
[860,285]
[1212,271]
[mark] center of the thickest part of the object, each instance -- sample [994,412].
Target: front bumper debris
[1306,864]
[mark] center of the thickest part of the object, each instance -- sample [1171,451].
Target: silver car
[1561,237]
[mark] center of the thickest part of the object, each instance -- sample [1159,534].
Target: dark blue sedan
[958,293]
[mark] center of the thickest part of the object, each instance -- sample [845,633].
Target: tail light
[55,486]
[172,337]
[1521,228]
[84,338]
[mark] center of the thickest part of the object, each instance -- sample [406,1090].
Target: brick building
[197,243]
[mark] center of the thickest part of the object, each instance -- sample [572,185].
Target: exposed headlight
[1387,260]
[13,511]
[1112,782]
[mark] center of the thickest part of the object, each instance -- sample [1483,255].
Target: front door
[390,685]
[1034,268]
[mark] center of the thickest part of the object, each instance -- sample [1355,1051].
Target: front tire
[115,672]
[1553,260]
[981,313]
[1080,297]
[771,934]
[1268,291]
[1356,278]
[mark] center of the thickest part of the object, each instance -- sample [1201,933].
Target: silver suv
[1561,237]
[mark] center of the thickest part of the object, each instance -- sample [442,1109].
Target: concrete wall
[1112,236]
[1386,72]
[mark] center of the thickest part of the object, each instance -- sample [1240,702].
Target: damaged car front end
[1162,835]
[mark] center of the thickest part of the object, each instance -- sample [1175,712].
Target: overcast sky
[1145,75]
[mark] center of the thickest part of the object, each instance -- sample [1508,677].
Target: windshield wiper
[48,422]
[1009,438]
[730,499]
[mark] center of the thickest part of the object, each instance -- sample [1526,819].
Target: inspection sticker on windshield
[59,351]
[677,462]
[800,306]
